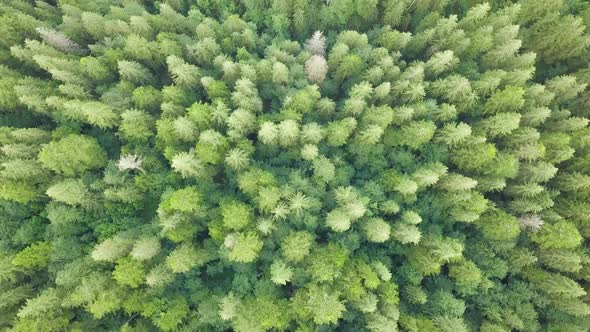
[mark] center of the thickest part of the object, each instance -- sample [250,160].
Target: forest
[295,165]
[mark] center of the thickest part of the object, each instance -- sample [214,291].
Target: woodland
[295,165]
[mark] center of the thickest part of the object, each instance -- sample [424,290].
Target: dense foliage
[294,165]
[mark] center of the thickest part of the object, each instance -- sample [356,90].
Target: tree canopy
[294,165]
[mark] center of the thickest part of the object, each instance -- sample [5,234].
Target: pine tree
[145,248]
[377,230]
[244,247]
[187,165]
[280,273]
[134,72]
[297,245]
[182,259]
[129,272]
[136,125]
[324,307]
[183,74]
[111,249]
[72,155]
[35,256]
[70,191]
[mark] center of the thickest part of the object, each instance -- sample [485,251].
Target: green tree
[561,234]
[136,125]
[280,273]
[129,272]
[145,248]
[236,215]
[297,245]
[35,256]
[69,191]
[325,262]
[73,155]
[325,307]
[377,230]
[244,247]
[182,259]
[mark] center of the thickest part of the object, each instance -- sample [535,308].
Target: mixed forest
[295,165]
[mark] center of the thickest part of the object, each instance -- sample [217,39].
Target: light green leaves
[280,273]
[236,215]
[73,154]
[243,247]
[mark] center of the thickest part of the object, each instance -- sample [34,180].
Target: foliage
[303,165]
